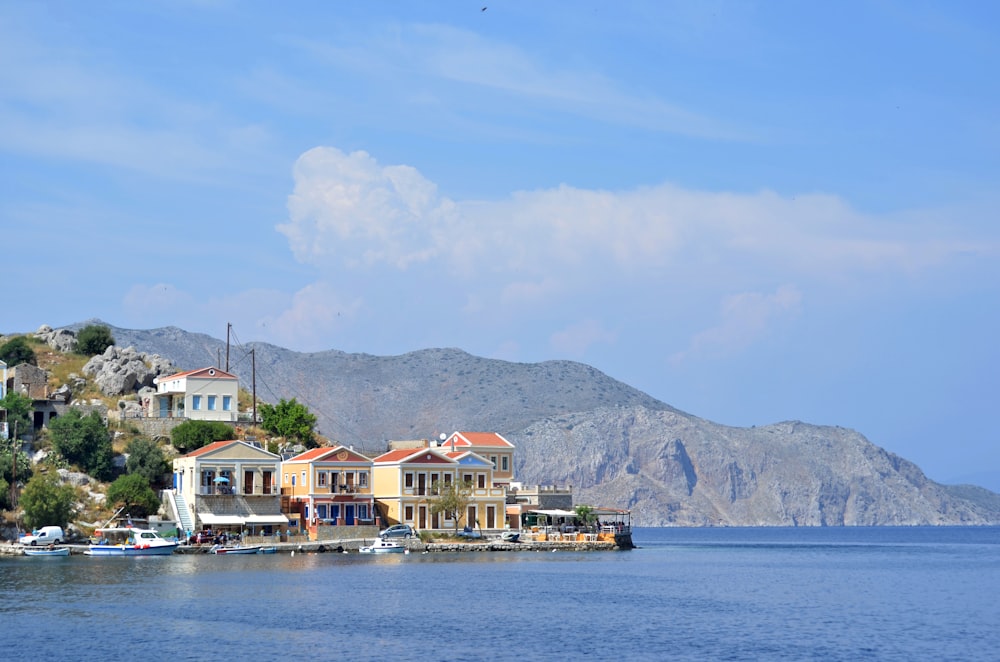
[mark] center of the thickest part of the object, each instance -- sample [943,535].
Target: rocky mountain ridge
[615,445]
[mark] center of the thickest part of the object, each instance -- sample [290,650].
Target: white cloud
[576,339]
[744,319]
[312,317]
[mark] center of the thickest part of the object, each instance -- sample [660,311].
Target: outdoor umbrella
[221,479]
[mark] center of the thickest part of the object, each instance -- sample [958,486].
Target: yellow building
[403,480]
[489,445]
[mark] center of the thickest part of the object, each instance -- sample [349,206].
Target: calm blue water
[686,594]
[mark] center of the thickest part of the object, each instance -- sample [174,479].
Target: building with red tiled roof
[206,394]
[329,486]
[490,445]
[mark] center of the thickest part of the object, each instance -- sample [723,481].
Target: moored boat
[384,546]
[130,541]
[253,549]
[54,551]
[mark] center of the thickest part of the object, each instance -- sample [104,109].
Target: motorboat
[252,549]
[384,546]
[53,551]
[129,541]
[510,536]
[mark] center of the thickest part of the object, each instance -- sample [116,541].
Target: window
[321,480]
[362,479]
[304,479]
[321,510]
[286,479]
[227,403]
[408,480]
[493,459]
[482,481]
[467,478]
[504,464]
[362,511]
[211,402]
[408,514]
[293,480]
[447,479]
[196,402]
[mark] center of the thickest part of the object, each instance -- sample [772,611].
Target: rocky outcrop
[123,371]
[61,340]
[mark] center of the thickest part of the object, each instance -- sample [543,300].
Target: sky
[752,211]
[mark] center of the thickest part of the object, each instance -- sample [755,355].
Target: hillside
[617,446]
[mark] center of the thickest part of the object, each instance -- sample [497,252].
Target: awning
[261,520]
[211,518]
[555,513]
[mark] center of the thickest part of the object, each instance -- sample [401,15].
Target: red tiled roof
[215,445]
[327,453]
[491,439]
[219,374]
[410,454]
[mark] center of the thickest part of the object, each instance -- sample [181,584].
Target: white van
[47,535]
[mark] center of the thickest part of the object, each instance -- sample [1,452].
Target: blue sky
[755,212]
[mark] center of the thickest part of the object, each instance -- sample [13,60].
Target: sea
[915,593]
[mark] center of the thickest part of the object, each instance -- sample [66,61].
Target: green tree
[145,457]
[452,499]
[289,419]
[133,493]
[94,339]
[47,501]
[18,408]
[84,441]
[16,351]
[585,514]
[7,474]
[192,435]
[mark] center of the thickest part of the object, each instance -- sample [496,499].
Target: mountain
[574,425]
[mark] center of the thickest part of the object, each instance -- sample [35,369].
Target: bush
[47,501]
[145,458]
[133,493]
[192,435]
[94,339]
[16,351]
[84,441]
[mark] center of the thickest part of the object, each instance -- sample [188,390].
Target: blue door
[349,514]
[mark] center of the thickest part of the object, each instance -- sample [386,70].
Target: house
[230,485]
[330,486]
[491,445]
[405,481]
[207,394]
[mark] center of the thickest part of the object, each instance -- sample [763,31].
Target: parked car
[398,531]
[47,535]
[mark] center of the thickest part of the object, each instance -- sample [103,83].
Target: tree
[16,351]
[145,458]
[452,499]
[94,339]
[84,441]
[47,501]
[18,408]
[290,420]
[8,476]
[585,514]
[133,493]
[192,435]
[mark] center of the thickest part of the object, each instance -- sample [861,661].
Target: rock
[74,478]
[62,340]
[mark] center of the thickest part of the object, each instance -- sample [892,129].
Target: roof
[210,373]
[415,455]
[216,446]
[328,454]
[483,439]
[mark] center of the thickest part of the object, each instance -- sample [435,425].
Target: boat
[384,546]
[510,536]
[253,549]
[130,541]
[268,550]
[55,551]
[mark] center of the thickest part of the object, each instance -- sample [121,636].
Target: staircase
[178,506]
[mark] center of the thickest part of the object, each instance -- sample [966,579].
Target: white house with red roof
[206,394]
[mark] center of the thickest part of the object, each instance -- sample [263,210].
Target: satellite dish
[443,436]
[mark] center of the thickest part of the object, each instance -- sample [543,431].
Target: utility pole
[13,476]
[229,326]
[253,372]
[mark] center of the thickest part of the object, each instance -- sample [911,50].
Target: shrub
[16,351]
[94,339]
[84,441]
[192,435]
[47,501]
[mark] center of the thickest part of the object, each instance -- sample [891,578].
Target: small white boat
[510,536]
[130,541]
[55,551]
[253,549]
[384,546]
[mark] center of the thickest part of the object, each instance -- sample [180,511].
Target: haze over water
[688,594]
